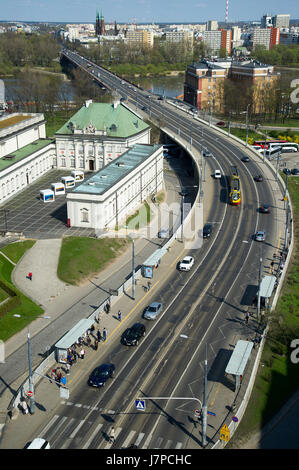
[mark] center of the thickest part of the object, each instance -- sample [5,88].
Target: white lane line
[146,444]
[158,443]
[57,427]
[168,444]
[88,442]
[49,425]
[179,445]
[128,439]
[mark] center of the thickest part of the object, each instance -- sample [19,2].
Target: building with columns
[97,134]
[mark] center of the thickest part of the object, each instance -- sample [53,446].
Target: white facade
[95,206]
[261,37]
[15,136]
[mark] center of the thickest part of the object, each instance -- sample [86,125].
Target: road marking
[139,439]
[77,429]
[49,425]
[57,427]
[158,443]
[88,442]
[110,444]
[168,444]
[128,439]
[179,445]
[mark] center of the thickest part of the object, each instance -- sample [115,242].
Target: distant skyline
[125,11]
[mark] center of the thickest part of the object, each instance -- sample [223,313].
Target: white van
[39,443]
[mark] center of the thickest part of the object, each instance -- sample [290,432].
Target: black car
[258,178]
[131,336]
[245,159]
[100,375]
[295,171]
[207,230]
[286,171]
[265,209]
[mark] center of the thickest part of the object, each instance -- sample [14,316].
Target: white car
[186,263]
[217,174]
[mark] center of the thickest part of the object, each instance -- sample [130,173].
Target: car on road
[207,230]
[160,98]
[217,174]
[163,233]
[101,374]
[144,108]
[245,159]
[258,178]
[186,263]
[131,336]
[260,236]
[265,209]
[220,124]
[286,171]
[184,192]
[207,153]
[153,310]
[295,171]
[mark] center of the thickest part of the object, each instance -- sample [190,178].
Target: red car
[221,124]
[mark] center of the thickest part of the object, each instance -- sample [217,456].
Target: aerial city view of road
[149,166]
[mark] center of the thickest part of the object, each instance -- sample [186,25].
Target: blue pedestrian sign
[140,405]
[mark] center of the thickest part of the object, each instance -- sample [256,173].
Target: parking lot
[28,214]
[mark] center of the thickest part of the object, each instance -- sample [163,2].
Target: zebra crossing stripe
[128,439]
[49,425]
[139,439]
[179,445]
[88,442]
[146,444]
[77,429]
[168,444]
[158,443]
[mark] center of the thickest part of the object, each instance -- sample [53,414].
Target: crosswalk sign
[224,433]
[140,405]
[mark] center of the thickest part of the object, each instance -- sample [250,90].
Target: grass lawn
[81,257]
[277,378]
[10,325]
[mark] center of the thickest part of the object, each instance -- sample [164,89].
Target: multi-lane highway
[203,315]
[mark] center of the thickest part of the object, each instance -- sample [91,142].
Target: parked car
[265,209]
[221,124]
[295,171]
[258,178]
[163,233]
[286,171]
[101,374]
[153,310]
[186,263]
[217,174]
[260,236]
[245,159]
[131,336]
[207,230]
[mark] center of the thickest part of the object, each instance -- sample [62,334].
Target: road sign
[29,393]
[224,433]
[211,413]
[140,405]
[197,413]
[235,419]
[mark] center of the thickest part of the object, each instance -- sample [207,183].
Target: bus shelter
[152,263]
[238,361]
[70,338]
[266,288]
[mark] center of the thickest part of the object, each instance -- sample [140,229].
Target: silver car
[153,310]
[260,236]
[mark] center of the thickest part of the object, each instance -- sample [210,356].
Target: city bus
[261,143]
[285,146]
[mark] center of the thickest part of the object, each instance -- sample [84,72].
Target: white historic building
[25,153]
[97,134]
[118,189]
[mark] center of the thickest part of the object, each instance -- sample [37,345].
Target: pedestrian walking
[88,341]
[96,344]
[119,315]
[68,367]
[107,307]
[53,374]
[149,285]
[82,353]
[30,276]
[104,334]
[63,380]
[58,376]
[247,318]
[112,435]
[99,336]
[24,406]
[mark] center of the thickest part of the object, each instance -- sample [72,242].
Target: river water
[172,86]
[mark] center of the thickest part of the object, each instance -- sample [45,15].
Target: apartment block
[142,37]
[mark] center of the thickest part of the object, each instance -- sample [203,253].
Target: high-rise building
[98,24]
[261,37]
[226,40]
[266,21]
[274,38]
[142,37]
[212,25]
[281,21]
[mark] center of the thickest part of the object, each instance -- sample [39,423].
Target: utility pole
[287,228]
[133,269]
[204,407]
[247,125]
[183,198]
[259,291]
[31,386]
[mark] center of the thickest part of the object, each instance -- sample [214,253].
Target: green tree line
[278,55]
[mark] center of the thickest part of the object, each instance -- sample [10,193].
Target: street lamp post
[247,124]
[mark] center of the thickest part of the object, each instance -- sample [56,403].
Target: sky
[140,11]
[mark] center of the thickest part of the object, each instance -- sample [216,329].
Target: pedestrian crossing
[65,432]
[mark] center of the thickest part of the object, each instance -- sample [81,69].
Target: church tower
[97,24]
[102,24]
